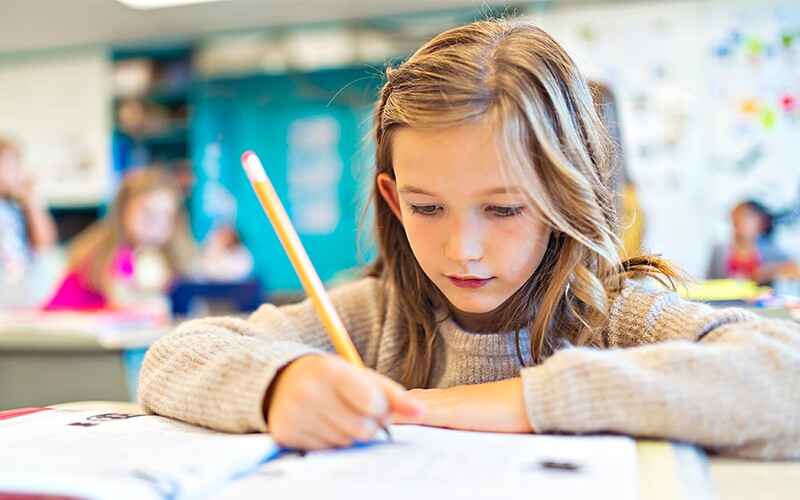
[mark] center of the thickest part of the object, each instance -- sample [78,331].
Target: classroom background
[707,94]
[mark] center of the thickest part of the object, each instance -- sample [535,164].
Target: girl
[752,254]
[498,297]
[127,259]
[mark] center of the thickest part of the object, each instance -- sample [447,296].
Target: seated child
[225,258]
[128,258]
[498,300]
[753,254]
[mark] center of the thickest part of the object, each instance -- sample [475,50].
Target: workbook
[101,455]
[98,455]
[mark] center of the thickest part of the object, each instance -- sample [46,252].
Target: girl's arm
[41,226]
[722,378]
[216,371]
[734,391]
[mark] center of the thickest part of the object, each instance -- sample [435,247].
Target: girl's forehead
[464,158]
[160,196]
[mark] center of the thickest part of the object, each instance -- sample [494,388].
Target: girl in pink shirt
[127,259]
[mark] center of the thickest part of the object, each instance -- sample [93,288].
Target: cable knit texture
[723,378]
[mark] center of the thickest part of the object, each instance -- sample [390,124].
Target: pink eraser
[253,167]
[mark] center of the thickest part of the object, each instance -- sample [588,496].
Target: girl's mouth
[468,281]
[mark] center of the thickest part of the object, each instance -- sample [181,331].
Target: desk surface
[730,479]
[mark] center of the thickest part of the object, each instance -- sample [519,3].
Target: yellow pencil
[299,258]
[302,264]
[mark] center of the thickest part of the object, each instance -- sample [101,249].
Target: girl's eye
[423,209]
[505,211]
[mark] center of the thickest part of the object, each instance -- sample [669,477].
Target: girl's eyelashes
[423,209]
[501,211]
[496,210]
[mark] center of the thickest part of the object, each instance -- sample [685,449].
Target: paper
[425,462]
[97,455]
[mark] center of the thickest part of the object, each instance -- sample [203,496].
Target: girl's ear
[388,189]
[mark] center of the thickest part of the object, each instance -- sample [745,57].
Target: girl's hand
[319,402]
[494,407]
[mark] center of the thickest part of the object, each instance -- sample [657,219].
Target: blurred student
[752,254]
[128,259]
[26,227]
[225,258]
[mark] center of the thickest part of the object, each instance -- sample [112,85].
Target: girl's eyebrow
[490,191]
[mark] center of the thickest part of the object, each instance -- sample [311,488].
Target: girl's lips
[469,282]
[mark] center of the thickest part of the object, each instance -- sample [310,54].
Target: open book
[100,455]
[112,455]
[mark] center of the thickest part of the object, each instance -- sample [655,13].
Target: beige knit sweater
[723,378]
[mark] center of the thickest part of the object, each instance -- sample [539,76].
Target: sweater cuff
[254,382]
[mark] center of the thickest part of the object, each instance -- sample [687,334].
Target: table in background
[37,370]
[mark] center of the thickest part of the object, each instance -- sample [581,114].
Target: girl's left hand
[494,407]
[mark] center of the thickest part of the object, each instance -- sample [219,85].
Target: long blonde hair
[554,145]
[93,251]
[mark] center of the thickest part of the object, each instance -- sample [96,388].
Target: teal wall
[255,113]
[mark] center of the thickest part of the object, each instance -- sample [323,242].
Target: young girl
[127,259]
[752,254]
[498,297]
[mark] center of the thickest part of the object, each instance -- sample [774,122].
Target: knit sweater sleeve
[215,372]
[722,378]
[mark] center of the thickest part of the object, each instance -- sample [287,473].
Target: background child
[26,228]
[224,256]
[128,258]
[498,251]
[752,254]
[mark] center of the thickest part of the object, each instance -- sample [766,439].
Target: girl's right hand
[322,401]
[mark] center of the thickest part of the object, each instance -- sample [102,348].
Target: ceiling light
[161,4]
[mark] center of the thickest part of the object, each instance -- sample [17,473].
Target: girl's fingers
[350,424]
[401,402]
[320,437]
[360,392]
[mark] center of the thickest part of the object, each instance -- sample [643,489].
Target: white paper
[101,455]
[424,462]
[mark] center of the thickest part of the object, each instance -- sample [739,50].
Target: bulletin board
[56,107]
[708,98]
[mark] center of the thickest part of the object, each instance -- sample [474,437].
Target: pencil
[299,258]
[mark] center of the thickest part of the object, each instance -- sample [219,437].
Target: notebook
[432,463]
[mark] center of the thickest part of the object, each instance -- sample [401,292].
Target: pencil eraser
[253,167]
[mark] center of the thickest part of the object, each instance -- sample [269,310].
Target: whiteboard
[56,106]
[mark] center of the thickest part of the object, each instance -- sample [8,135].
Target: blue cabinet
[311,133]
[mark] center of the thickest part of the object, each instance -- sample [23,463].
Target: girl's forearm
[42,231]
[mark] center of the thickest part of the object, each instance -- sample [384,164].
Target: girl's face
[149,218]
[10,172]
[747,223]
[474,235]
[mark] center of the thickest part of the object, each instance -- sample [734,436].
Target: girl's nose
[463,242]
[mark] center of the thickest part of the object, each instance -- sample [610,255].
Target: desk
[729,479]
[40,369]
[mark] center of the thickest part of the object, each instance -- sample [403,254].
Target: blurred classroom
[705,96]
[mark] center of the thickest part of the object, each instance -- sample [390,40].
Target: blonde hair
[93,251]
[554,145]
